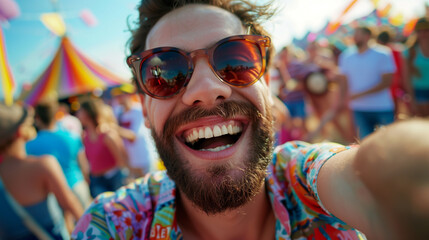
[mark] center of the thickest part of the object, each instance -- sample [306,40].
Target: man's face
[360,38]
[122,99]
[215,173]
[423,35]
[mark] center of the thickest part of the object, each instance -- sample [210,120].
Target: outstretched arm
[379,187]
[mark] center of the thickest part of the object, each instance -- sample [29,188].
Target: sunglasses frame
[136,61]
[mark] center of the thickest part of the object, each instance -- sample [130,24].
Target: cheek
[81,116]
[29,133]
[259,95]
[158,111]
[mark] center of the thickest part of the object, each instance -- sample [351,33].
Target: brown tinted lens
[164,74]
[238,62]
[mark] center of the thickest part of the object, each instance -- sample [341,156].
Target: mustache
[226,110]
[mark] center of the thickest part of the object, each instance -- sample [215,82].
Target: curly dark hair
[150,11]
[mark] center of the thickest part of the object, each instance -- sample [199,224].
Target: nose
[205,88]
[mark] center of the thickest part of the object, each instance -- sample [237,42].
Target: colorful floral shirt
[146,208]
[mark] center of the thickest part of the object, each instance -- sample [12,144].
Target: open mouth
[213,138]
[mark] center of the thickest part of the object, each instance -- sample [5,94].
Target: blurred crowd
[320,93]
[69,160]
[343,96]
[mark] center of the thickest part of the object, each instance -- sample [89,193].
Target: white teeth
[230,129]
[194,135]
[235,130]
[224,130]
[216,131]
[208,133]
[217,149]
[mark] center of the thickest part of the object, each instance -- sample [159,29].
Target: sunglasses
[165,71]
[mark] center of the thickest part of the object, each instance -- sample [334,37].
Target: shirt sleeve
[303,167]
[93,224]
[124,214]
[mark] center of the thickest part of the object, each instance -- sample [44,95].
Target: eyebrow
[205,47]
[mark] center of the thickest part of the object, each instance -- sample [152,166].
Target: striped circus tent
[70,73]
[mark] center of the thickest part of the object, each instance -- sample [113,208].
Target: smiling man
[200,68]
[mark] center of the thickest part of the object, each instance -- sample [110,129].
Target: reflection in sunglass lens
[164,73]
[238,62]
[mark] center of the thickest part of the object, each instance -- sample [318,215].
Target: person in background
[201,66]
[109,122]
[329,102]
[368,71]
[67,121]
[65,146]
[30,180]
[141,151]
[416,69]
[384,38]
[292,73]
[104,148]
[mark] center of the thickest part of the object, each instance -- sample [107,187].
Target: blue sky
[30,46]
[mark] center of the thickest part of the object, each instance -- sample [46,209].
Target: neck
[362,48]
[127,105]
[255,220]
[15,150]
[48,127]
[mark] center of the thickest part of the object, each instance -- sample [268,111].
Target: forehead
[194,26]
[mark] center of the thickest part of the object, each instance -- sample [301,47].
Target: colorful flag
[7,83]
[54,22]
[409,27]
[383,12]
[333,26]
[397,20]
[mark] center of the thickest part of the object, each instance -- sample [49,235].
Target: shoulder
[110,135]
[130,208]
[45,164]
[381,51]
[284,152]
[48,161]
[350,51]
[303,154]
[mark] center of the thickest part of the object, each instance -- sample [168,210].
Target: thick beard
[218,190]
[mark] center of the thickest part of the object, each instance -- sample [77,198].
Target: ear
[19,132]
[26,133]
[144,109]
